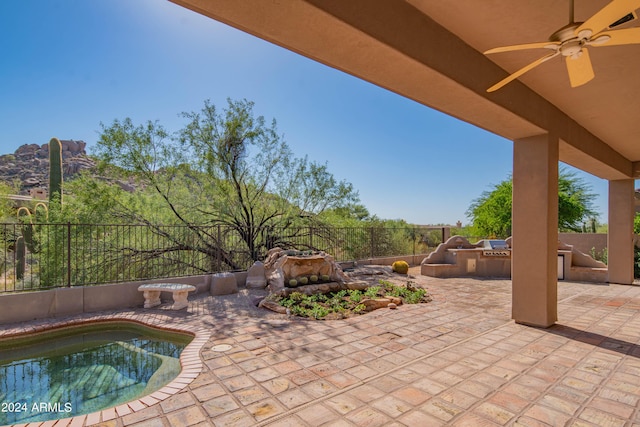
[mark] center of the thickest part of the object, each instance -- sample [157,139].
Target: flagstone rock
[374,304]
[273,306]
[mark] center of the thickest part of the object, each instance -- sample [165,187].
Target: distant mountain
[30,164]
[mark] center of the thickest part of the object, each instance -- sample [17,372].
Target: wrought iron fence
[43,256]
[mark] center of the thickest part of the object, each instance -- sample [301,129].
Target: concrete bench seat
[152,294]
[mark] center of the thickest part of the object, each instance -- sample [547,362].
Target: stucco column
[534,268]
[620,237]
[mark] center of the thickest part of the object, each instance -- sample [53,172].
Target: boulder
[374,304]
[223,284]
[273,306]
[280,267]
[30,164]
[256,278]
[313,289]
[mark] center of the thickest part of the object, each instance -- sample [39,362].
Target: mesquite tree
[223,168]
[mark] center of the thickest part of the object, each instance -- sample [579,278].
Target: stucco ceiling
[608,106]
[431,51]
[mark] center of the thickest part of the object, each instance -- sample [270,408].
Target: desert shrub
[599,256]
[355,295]
[372,292]
[347,302]
[359,308]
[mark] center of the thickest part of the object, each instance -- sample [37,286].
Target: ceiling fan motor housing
[571,48]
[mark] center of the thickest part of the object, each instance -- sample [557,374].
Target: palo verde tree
[223,168]
[491,212]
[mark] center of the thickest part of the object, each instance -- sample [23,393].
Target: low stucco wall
[21,307]
[584,242]
[412,260]
[60,302]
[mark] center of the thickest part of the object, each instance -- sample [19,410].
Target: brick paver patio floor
[459,360]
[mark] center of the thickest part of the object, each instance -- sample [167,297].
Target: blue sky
[70,64]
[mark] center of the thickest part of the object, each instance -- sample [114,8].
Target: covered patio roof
[431,52]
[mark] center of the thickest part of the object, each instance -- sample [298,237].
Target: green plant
[303,280]
[41,212]
[600,256]
[55,170]
[20,258]
[299,310]
[359,308]
[293,283]
[355,295]
[325,277]
[297,296]
[346,302]
[491,212]
[319,297]
[386,284]
[28,229]
[313,278]
[400,267]
[409,293]
[372,292]
[415,296]
[318,311]
[337,302]
[341,294]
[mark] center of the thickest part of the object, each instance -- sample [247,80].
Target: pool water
[82,370]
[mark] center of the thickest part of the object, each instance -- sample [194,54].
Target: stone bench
[152,294]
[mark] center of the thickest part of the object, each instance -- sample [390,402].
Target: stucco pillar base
[535,231]
[620,235]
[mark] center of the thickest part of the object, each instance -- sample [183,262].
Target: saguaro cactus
[20,258]
[41,212]
[24,216]
[55,169]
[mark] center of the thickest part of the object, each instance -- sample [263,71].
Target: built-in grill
[497,248]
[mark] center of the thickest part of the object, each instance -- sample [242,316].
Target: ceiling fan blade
[580,69]
[608,15]
[549,45]
[619,37]
[521,71]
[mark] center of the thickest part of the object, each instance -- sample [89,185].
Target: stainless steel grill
[498,248]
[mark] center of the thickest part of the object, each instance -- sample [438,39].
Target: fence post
[68,254]
[311,237]
[371,254]
[415,236]
[219,251]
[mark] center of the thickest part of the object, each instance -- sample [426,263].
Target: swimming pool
[79,370]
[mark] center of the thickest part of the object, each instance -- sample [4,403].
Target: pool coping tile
[189,360]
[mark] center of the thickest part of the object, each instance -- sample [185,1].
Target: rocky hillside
[30,164]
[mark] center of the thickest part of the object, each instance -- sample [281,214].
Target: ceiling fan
[571,41]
